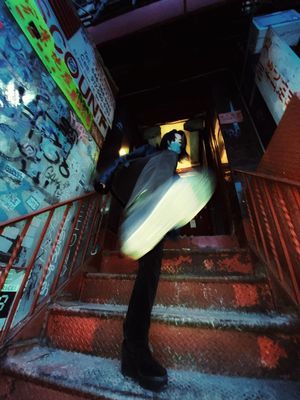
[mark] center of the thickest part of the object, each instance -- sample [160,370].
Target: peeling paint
[245,295]
[235,264]
[270,352]
[173,264]
[208,264]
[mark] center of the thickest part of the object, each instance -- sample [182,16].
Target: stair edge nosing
[184,316]
[247,278]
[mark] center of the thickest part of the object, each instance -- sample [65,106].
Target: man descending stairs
[214,326]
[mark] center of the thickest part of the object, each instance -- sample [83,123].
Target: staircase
[214,326]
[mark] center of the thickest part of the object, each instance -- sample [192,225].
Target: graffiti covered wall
[46,157]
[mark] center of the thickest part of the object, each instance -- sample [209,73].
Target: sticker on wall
[82,59]
[72,61]
[231,117]
[46,156]
[45,150]
[32,23]
[8,293]
[277,74]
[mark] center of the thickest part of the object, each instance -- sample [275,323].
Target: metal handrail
[45,209]
[269,177]
[66,253]
[273,208]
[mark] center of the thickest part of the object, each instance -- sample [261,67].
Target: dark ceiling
[163,55]
[166,72]
[162,71]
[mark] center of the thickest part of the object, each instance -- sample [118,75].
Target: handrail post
[46,268]
[275,214]
[61,264]
[28,270]
[91,213]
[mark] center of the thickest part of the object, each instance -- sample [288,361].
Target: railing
[273,206]
[47,248]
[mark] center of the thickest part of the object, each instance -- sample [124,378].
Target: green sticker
[31,21]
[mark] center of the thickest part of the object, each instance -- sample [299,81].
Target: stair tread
[96,376]
[204,250]
[197,262]
[214,241]
[258,278]
[222,292]
[193,316]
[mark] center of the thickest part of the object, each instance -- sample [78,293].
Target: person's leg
[137,323]
[137,360]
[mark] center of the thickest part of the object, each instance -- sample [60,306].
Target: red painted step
[51,374]
[200,293]
[204,262]
[228,343]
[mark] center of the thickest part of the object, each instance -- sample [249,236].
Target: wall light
[123,151]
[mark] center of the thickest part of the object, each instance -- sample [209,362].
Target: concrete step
[209,341]
[46,373]
[201,262]
[245,293]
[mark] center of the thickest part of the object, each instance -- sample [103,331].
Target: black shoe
[139,364]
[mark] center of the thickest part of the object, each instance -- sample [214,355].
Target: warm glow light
[172,125]
[222,148]
[224,159]
[123,151]
[179,126]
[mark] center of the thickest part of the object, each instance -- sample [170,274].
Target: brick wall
[282,157]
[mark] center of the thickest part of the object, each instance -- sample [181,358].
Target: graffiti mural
[46,157]
[45,263]
[7,295]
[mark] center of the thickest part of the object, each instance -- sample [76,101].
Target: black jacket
[144,169]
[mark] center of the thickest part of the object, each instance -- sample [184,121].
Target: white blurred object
[171,206]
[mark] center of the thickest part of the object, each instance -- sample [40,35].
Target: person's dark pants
[138,317]
[137,322]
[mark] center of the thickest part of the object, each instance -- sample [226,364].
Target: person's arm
[103,183]
[141,151]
